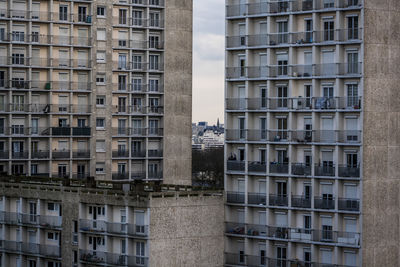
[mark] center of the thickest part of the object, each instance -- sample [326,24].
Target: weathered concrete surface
[178,92]
[186,231]
[381,151]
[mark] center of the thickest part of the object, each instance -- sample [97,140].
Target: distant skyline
[208,60]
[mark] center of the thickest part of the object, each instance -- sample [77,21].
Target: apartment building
[48,224]
[304,88]
[83,88]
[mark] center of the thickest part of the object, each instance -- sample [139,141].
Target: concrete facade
[381,171]
[178,92]
[89,83]
[181,227]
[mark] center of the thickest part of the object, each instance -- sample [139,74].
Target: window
[154,42]
[101,11]
[34,169]
[32,263]
[53,264]
[101,56]
[18,36]
[18,59]
[100,167]
[154,62]
[329,30]
[100,146]
[63,13]
[52,236]
[154,19]
[101,79]
[153,85]
[101,34]
[100,100]
[137,17]
[100,123]
[51,206]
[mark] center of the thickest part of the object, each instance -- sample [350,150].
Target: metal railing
[301,169]
[235,197]
[324,170]
[115,259]
[324,203]
[275,167]
[235,165]
[301,202]
[47,221]
[256,166]
[349,204]
[257,198]
[349,171]
[278,200]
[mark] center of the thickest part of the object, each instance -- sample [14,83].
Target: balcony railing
[40,154]
[275,167]
[234,165]
[324,170]
[324,203]
[257,198]
[64,154]
[120,153]
[257,135]
[301,169]
[349,171]
[301,202]
[81,154]
[235,197]
[19,154]
[120,176]
[113,227]
[256,166]
[294,103]
[30,248]
[47,221]
[276,7]
[278,200]
[349,204]
[115,259]
[296,71]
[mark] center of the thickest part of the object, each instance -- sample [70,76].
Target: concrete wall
[178,92]
[186,231]
[381,167]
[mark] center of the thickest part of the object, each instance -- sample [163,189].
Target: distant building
[205,137]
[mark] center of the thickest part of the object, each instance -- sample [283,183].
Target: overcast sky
[208,60]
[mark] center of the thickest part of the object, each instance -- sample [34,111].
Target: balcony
[115,259]
[120,153]
[301,136]
[280,168]
[120,176]
[61,131]
[301,169]
[14,218]
[257,103]
[80,175]
[278,135]
[257,135]
[81,131]
[19,154]
[235,134]
[349,204]
[64,154]
[256,166]
[155,153]
[30,248]
[81,154]
[349,171]
[138,154]
[61,175]
[324,203]
[257,198]
[301,202]
[155,175]
[138,176]
[278,232]
[235,228]
[324,170]
[4,154]
[235,197]
[235,165]
[235,259]
[40,154]
[278,200]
